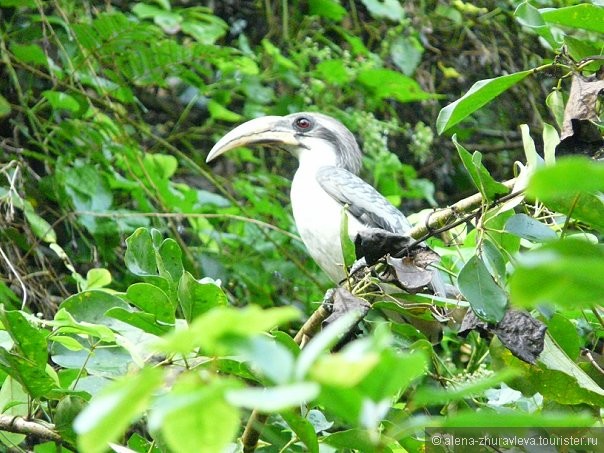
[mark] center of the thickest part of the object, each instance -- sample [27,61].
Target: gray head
[307,135]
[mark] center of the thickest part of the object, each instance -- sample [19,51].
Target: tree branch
[19,425]
[441,217]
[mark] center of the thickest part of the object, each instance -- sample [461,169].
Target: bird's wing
[364,202]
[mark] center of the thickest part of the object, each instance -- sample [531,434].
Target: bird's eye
[302,123]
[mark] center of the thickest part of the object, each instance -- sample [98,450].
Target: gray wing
[364,202]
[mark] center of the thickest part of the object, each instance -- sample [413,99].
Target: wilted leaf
[522,334]
[374,243]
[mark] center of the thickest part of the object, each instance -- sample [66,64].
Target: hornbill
[325,185]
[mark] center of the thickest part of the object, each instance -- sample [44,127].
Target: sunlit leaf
[388,84]
[480,94]
[195,416]
[565,272]
[585,16]
[110,413]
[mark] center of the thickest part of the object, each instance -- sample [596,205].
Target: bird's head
[313,138]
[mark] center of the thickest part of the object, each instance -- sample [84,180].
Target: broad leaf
[109,414]
[529,228]
[274,399]
[194,415]
[585,16]
[566,272]
[197,298]
[480,94]
[486,298]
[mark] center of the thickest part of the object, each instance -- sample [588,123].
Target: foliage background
[108,111]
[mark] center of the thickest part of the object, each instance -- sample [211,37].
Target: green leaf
[194,416]
[91,306]
[341,370]
[220,112]
[388,84]
[169,261]
[221,328]
[151,299]
[110,413]
[565,334]
[329,9]
[346,244]
[163,166]
[430,396]
[64,322]
[268,357]
[197,298]
[528,228]
[41,228]
[61,101]
[303,428]
[356,438]
[406,53]
[572,269]
[140,253]
[30,340]
[531,17]
[585,16]
[486,298]
[571,187]
[97,278]
[34,378]
[481,177]
[555,103]
[143,321]
[14,402]
[569,176]
[333,71]
[551,140]
[65,413]
[29,53]
[274,399]
[556,377]
[323,342]
[4,107]
[480,94]
[385,9]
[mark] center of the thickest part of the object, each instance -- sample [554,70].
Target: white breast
[318,219]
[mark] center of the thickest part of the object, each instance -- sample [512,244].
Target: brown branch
[442,217]
[19,425]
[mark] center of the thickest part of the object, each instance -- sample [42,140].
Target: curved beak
[267,130]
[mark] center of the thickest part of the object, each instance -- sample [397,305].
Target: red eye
[303,123]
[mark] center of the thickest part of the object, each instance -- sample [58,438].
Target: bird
[325,186]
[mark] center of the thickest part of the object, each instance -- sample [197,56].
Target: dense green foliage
[151,301]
